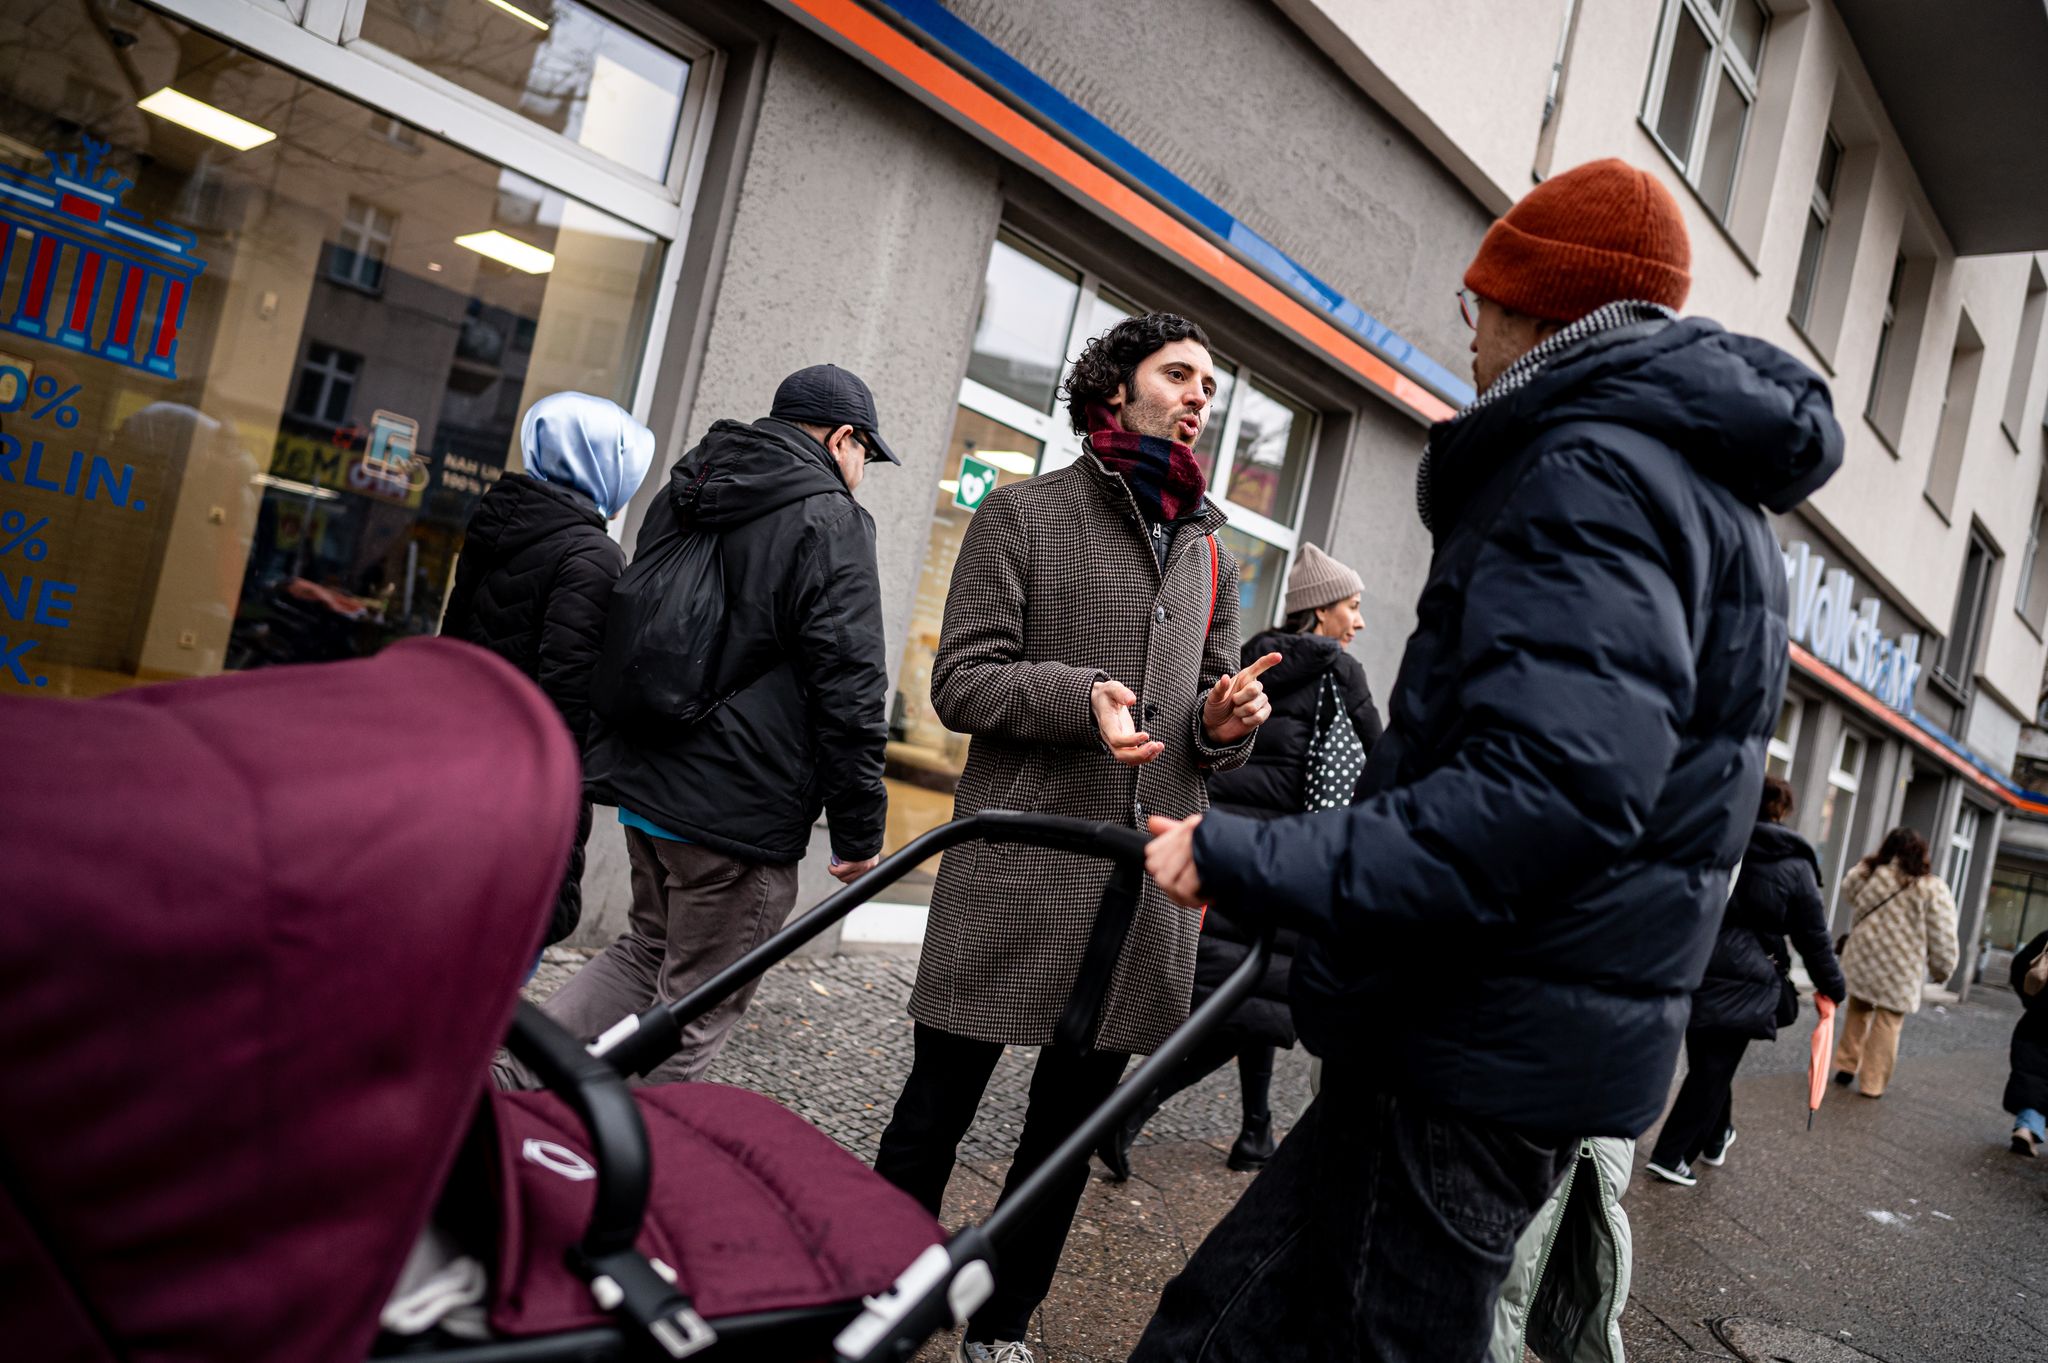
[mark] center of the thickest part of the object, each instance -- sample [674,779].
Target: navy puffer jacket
[1512,923]
[1776,896]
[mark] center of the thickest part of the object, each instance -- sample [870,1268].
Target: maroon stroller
[261,935]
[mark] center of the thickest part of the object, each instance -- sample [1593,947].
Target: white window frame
[1723,55]
[1850,783]
[319,41]
[2026,592]
[367,238]
[1962,848]
[1784,749]
[1062,447]
[1820,207]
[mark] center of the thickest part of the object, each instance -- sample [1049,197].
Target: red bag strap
[1215,584]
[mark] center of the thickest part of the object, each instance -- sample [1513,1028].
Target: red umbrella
[1823,1054]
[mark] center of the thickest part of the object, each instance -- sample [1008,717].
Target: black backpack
[664,632]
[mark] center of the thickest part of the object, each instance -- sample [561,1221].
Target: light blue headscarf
[590,444]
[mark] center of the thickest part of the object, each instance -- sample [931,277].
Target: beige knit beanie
[1319,580]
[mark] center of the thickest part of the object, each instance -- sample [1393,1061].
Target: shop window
[360,247]
[1036,313]
[1952,429]
[1962,846]
[555,62]
[1784,743]
[1703,86]
[273,466]
[1838,807]
[2026,355]
[2016,907]
[1957,661]
[1820,211]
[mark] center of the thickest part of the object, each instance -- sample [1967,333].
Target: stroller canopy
[260,935]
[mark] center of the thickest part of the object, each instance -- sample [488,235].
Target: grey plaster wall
[1234,99]
[860,237]
[1375,530]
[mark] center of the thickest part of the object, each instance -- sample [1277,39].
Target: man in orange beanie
[1500,939]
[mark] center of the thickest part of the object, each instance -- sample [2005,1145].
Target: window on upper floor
[2025,356]
[2032,602]
[1820,212]
[1703,86]
[1901,324]
[1952,429]
[1957,661]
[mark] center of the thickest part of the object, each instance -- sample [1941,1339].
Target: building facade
[351,240]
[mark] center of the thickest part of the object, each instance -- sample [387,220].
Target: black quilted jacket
[1777,896]
[1512,922]
[535,576]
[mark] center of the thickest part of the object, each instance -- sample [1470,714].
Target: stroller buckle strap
[628,1285]
[683,1333]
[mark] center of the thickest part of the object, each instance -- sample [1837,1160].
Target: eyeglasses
[1468,308]
[868,453]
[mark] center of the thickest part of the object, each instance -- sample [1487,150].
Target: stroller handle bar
[637,1044]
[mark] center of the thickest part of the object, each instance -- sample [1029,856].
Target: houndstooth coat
[1894,950]
[1056,586]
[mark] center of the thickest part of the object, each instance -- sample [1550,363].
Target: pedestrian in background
[1310,755]
[1747,994]
[537,568]
[1090,647]
[1902,932]
[1499,940]
[718,814]
[2026,1092]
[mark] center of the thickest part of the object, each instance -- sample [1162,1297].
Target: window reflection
[1262,575]
[1027,309]
[1272,451]
[556,62]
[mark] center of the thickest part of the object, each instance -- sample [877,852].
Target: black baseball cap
[826,395]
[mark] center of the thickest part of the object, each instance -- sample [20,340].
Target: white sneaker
[1002,1351]
[1719,1157]
[1682,1175]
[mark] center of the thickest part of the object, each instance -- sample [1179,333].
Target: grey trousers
[695,912]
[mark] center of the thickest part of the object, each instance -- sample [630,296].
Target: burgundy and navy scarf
[1162,474]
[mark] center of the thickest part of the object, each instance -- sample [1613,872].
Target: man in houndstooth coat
[1090,646]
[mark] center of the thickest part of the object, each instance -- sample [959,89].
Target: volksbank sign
[1846,637]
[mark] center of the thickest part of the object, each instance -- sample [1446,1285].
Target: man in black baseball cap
[826,395]
[717,816]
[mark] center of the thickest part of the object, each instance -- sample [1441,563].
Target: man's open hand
[1170,859]
[1127,743]
[1237,704]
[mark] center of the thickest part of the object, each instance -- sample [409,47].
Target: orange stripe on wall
[1884,714]
[931,73]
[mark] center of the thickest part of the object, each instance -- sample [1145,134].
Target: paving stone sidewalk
[1894,1231]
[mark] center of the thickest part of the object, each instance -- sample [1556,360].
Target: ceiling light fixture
[1009,461]
[204,119]
[509,251]
[518,13]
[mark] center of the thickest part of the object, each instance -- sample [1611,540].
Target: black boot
[1115,1149]
[1254,1144]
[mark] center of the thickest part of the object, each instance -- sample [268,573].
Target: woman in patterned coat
[1090,646]
[1904,930]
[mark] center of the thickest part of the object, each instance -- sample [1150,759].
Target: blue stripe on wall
[1027,88]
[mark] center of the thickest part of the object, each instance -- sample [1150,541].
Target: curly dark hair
[1113,358]
[1904,848]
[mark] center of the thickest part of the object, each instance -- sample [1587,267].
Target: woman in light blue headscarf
[537,566]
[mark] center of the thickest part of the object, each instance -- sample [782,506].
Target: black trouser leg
[947,1076]
[1700,1112]
[1255,1076]
[1065,1088]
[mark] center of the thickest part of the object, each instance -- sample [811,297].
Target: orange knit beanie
[1591,236]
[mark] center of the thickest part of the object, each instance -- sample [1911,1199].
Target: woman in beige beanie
[1310,755]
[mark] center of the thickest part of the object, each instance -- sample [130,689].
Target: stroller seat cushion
[754,1208]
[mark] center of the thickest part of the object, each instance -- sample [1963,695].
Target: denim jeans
[1381,1232]
[2032,1121]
